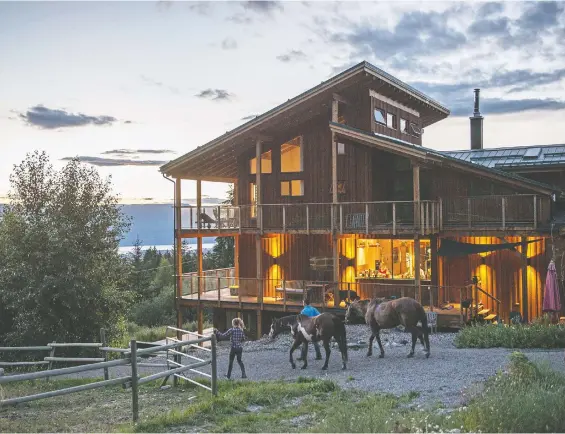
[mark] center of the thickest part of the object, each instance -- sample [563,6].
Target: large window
[291,156]
[391,259]
[379,116]
[253,198]
[266,163]
[292,188]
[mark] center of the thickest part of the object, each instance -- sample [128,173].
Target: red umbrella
[551,300]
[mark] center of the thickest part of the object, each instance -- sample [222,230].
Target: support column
[199,254]
[524,304]
[335,224]
[259,323]
[178,249]
[416,194]
[258,249]
[417,281]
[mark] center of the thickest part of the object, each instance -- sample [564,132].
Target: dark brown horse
[381,314]
[309,329]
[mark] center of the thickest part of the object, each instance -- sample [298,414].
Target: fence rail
[383,217]
[130,357]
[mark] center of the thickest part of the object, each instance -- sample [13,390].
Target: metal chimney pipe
[476,124]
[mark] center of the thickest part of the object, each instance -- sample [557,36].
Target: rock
[166,386]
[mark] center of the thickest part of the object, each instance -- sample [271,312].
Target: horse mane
[286,320]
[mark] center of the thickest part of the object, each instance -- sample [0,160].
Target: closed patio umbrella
[551,299]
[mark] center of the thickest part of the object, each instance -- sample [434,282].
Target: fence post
[214,379]
[104,344]
[51,354]
[134,385]
[218,279]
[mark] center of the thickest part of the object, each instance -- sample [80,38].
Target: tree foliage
[61,277]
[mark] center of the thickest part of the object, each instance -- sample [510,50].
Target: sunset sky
[129,85]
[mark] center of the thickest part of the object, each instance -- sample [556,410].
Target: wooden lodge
[335,194]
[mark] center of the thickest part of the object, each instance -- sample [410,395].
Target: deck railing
[210,281]
[496,212]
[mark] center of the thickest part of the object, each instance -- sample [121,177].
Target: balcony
[220,288]
[491,213]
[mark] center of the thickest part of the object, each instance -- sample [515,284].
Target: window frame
[263,172]
[290,189]
[301,147]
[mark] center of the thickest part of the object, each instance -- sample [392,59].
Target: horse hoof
[304,367]
[293,366]
[381,356]
[319,358]
[343,368]
[324,368]
[427,355]
[369,354]
[410,355]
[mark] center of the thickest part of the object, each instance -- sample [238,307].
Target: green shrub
[537,335]
[156,311]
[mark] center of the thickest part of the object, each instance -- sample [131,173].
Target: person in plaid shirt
[237,337]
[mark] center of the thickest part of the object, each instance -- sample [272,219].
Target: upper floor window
[292,188]
[403,126]
[266,163]
[380,116]
[415,129]
[292,155]
[391,120]
[340,148]
[253,198]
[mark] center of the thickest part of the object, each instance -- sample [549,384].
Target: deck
[518,213]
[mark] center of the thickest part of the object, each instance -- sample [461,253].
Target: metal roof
[515,157]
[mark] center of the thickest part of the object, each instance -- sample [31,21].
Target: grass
[524,398]
[537,335]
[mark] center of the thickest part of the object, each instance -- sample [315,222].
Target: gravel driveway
[442,377]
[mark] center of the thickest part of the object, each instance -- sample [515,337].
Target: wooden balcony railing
[386,217]
[496,212]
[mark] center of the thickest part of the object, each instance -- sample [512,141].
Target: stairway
[487,316]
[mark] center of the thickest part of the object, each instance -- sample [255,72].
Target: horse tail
[342,340]
[424,318]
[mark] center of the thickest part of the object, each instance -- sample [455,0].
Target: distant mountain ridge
[152,223]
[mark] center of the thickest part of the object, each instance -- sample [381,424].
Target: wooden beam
[199,240]
[524,304]
[416,194]
[227,180]
[259,273]
[335,116]
[339,98]
[417,282]
[178,247]
[258,144]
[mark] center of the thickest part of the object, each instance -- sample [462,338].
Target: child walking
[236,336]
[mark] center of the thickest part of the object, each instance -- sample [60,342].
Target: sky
[127,86]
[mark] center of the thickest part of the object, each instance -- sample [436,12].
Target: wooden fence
[130,357]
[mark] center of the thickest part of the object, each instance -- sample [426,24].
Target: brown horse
[308,329]
[381,314]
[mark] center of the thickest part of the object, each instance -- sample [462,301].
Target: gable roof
[191,162]
[431,155]
[519,157]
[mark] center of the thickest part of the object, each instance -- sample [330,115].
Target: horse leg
[378,336]
[327,348]
[415,333]
[427,340]
[305,353]
[371,340]
[295,345]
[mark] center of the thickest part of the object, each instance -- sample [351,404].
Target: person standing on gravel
[310,311]
[237,337]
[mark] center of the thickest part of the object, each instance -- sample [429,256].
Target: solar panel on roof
[532,153]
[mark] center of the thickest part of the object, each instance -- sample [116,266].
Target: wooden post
[214,379]
[259,323]
[524,303]
[104,344]
[335,117]
[503,213]
[51,354]
[417,280]
[134,380]
[178,248]
[469,211]
[416,193]
[394,218]
[236,255]
[259,274]
[259,201]
[535,212]
[200,320]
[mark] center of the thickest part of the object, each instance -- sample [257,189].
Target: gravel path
[442,377]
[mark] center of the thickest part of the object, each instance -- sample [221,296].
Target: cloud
[200,7]
[229,44]
[112,162]
[417,33]
[292,56]
[263,7]
[137,151]
[215,94]
[502,106]
[152,82]
[47,118]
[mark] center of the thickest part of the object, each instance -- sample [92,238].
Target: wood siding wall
[500,275]
[399,113]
